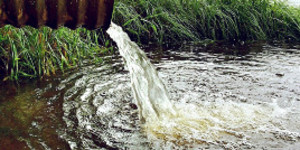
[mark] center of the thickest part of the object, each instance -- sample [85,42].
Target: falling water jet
[149,92]
[186,123]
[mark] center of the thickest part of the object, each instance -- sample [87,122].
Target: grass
[32,53]
[172,21]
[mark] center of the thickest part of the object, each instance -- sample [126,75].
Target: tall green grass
[177,20]
[32,53]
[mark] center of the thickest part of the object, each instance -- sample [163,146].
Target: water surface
[247,98]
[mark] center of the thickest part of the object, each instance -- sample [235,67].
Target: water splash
[186,123]
[219,104]
[244,102]
[149,92]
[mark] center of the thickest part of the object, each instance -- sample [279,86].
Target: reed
[177,20]
[32,53]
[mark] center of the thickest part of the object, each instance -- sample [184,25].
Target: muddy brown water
[92,107]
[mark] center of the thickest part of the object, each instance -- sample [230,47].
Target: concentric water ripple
[245,102]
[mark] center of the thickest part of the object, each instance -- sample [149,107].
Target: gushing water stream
[149,92]
[247,100]
[184,123]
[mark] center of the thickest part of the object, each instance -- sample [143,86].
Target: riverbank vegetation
[177,20]
[32,53]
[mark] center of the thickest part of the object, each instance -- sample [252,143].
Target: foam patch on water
[214,123]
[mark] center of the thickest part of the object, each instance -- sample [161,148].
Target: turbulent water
[246,102]
[149,92]
[219,97]
[200,115]
[190,124]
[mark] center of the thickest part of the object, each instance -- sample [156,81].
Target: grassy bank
[32,53]
[176,20]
